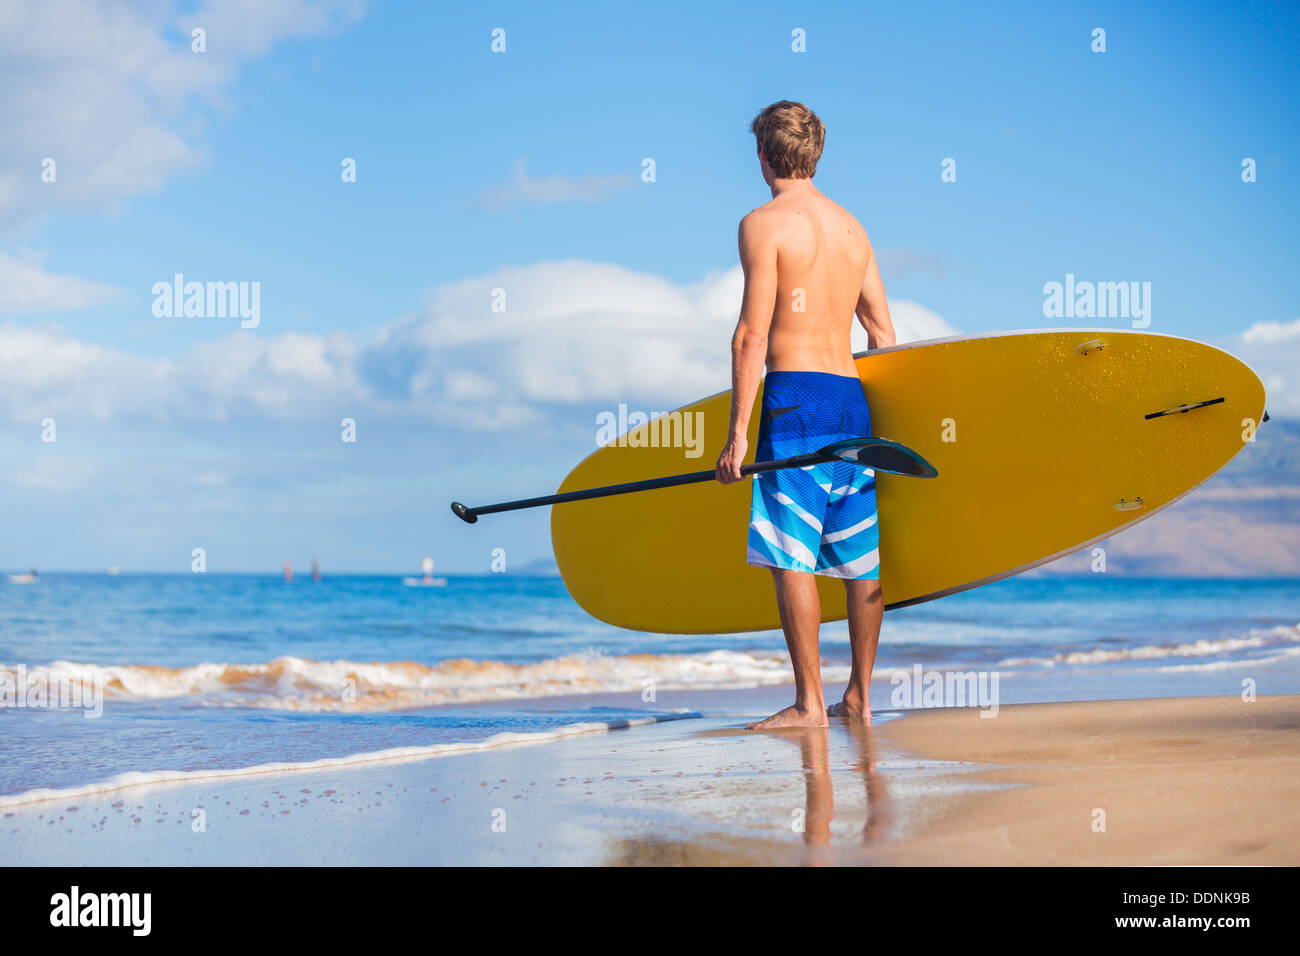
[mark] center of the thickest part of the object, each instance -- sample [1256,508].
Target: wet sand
[1197,780]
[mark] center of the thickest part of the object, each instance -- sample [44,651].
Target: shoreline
[143,780]
[1181,780]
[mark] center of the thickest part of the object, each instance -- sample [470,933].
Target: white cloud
[45,372]
[572,332]
[576,331]
[26,288]
[542,190]
[111,90]
[238,29]
[1272,349]
[912,323]
[1272,332]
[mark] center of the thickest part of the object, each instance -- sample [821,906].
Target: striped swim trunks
[822,518]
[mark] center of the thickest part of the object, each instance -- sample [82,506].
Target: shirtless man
[809,269]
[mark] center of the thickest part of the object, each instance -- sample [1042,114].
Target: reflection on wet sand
[1013,798]
[819,792]
[843,756]
[877,791]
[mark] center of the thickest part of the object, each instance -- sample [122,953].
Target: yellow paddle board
[1045,442]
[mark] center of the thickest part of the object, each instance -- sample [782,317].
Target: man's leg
[801,614]
[866,607]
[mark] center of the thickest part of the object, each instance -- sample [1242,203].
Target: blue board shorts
[820,519]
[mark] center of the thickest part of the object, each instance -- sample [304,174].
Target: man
[809,269]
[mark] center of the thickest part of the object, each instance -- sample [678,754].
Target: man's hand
[732,457]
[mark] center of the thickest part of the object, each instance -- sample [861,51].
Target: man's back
[822,253]
[808,272]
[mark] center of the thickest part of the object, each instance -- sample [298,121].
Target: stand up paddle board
[1044,443]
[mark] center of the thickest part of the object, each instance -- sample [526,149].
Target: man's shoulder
[841,211]
[760,214]
[760,222]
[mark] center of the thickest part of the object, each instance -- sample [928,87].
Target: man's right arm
[758,257]
[873,310]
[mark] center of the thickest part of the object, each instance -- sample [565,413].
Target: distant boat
[315,570]
[31,577]
[113,571]
[428,581]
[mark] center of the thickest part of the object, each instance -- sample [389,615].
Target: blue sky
[522,171]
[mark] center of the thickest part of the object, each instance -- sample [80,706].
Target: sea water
[211,673]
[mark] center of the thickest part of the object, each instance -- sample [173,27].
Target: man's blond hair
[791,136]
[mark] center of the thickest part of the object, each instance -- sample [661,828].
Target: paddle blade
[884,455]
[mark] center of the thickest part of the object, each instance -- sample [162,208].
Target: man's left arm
[873,309]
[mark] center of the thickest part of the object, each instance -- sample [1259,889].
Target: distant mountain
[1243,522]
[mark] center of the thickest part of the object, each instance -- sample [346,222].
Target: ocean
[210,674]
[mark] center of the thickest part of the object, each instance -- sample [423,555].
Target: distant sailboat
[428,581]
[288,570]
[315,570]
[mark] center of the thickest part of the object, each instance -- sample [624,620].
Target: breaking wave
[295,683]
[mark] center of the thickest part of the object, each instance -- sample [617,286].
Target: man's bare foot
[851,708]
[791,716]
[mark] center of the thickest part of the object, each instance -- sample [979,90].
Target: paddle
[880,454]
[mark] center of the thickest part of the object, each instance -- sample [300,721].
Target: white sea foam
[295,683]
[1255,638]
[300,684]
[133,779]
[1286,654]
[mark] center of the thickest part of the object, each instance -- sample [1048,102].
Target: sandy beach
[1180,781]
[1201,781]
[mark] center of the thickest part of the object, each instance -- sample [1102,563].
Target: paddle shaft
[649,484]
